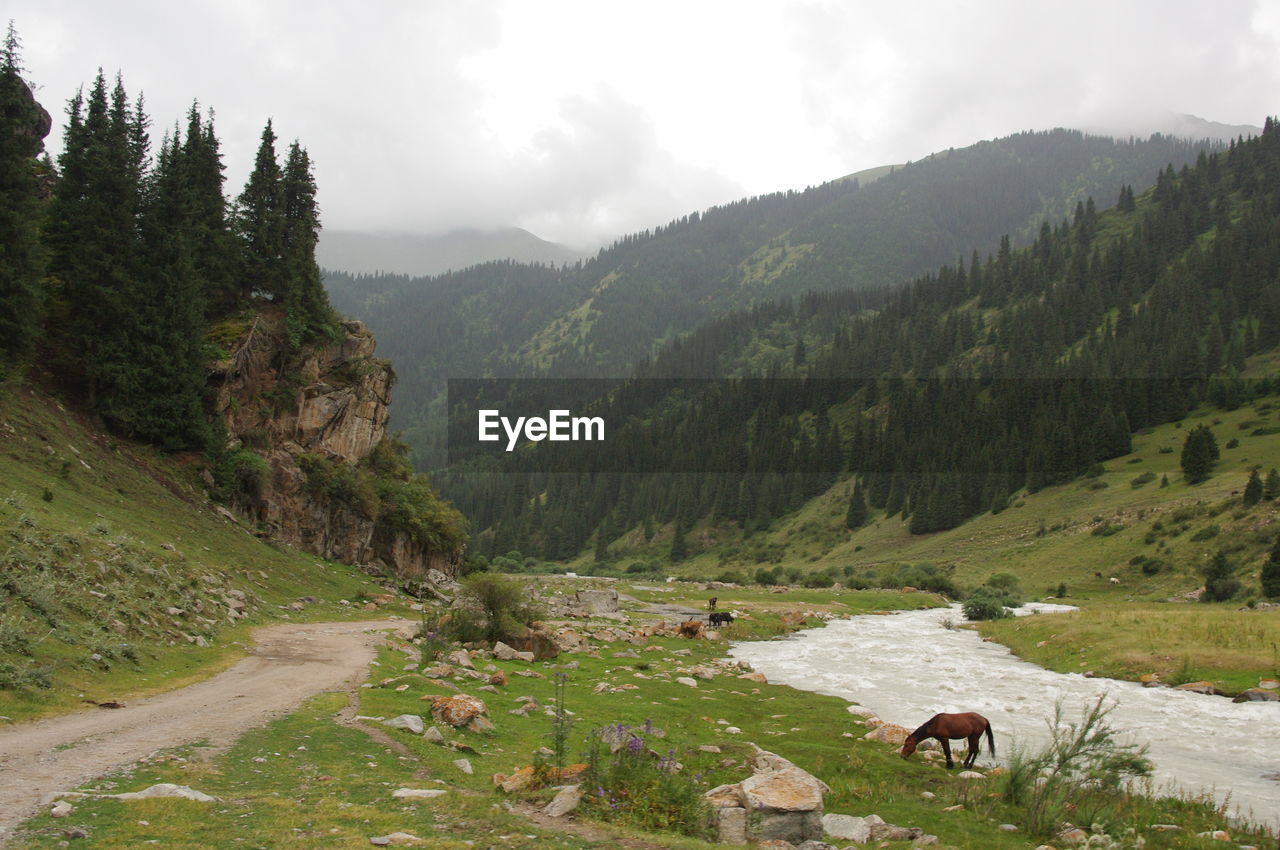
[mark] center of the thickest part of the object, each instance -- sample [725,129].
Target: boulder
[543,646]
[1257,695]
[847,828]
[788,790]
[731,825]
[502,652]
[460,658]
[457,710]
[598,601]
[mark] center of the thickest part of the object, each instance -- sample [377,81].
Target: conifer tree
[1271,487]
[856,516]
[23,126]
[260,222]
[1253,489]
[1199,454]
[309,315]
[1271,573]
[679,548]
[1220,582]
[93,241]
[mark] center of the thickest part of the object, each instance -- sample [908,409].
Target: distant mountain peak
[422,254]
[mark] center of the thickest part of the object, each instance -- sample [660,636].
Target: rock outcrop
[329,403]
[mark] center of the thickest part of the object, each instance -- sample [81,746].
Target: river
[909,666]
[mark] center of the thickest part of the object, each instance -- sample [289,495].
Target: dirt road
[287,664]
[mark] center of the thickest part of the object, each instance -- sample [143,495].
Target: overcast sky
[581,121]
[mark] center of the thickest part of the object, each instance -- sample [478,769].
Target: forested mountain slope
[954,393]
[601,316]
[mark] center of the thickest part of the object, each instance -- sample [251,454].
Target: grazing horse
[946,727]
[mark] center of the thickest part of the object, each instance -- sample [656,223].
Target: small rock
[1008,827]
[418,793]
[480,723]
[956,808]
[1075,835]
[685,680]
[396,838]
[1215,834]
[61,809]
[166,789]
[564,802]
[464,765]
[409,722]
[709,748]
[970,774]
[928,795]
[433,735]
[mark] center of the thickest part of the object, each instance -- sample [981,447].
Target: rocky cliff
[324,406]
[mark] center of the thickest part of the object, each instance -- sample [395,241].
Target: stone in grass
[166,789]
[395,838]
[418,793]
[409,722]
[61,809]
[434,735]
[564,802]
[685,680]
[847,828]
[464,765]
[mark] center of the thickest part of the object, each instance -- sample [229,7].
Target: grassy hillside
[98,539]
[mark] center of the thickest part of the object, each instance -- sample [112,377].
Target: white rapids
[908,666]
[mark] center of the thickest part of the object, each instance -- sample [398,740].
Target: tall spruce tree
[23,126]
[260,222]
[213,247]
[308,314]
[166,403]
[856,516]
[93,241]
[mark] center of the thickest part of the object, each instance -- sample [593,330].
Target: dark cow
[720,618]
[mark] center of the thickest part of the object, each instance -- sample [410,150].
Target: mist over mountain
[1179,125]
[431,254]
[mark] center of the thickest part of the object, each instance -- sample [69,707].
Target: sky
[585,120]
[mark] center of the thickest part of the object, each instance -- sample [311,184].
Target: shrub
[1107,529]
[1144,478]
[1207,533]
[502,604]
[985,604]
[731,577]
[627,781]
[818,580]
[1220,582]
[1083,764]
[242,473]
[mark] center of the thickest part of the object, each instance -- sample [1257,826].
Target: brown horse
[946,727]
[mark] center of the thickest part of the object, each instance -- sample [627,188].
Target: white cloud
[583,120]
